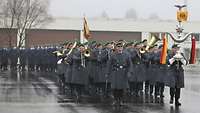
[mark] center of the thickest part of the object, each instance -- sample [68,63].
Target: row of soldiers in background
[121,67]
[33,59]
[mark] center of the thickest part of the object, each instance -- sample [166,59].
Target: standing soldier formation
[110,70]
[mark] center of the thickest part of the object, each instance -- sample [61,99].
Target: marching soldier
[61,67]
[79,67]
[109,48]
[68,66]
[160,74]
[176,60]
[151,70]
[132,76]
[119,66]
[149,83]
[92,67]
[138,76]
[100,78]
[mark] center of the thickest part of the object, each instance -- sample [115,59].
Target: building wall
[112,35]
[48,37]
[37,37]
[8,37]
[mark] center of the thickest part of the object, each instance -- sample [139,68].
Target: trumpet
[87,53]
[84,54]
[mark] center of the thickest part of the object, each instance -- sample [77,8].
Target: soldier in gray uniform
[92,68]
[160,74]
[109,49]
[149,83]
[79,71]
[100,78]
[152,70]
[68,67]
[131,76]
[176,60]
[138,76]
[61,67]
[119,66]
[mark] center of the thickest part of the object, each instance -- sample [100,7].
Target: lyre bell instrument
[59,53]
[70,51]
[151,43]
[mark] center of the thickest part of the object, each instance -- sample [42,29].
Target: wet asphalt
[37,92]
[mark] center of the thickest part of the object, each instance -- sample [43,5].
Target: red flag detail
[193,51]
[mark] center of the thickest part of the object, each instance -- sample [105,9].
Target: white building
[124,25]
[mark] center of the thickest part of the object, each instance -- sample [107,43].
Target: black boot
[177,103]
[171,100]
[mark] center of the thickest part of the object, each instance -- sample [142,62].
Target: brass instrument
[70,51]
[178,58]
[59,53]
[87,53]
[152,41]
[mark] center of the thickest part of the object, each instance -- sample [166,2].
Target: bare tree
[24,14]
[131,14]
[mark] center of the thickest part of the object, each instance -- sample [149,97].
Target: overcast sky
[117,8]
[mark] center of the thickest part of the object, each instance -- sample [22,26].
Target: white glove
[172,60]
[178,56]
[59,61]
[183,61]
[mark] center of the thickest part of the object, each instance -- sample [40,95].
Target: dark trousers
[101,88]
[148,88]
[175,92]
[134,87]
[78,89]
[118,94]
[159,88]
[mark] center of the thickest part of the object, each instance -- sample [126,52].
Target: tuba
[152,41]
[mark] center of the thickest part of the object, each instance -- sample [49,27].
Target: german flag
[163,57]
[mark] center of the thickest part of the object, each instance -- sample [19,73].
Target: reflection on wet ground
[30,92]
